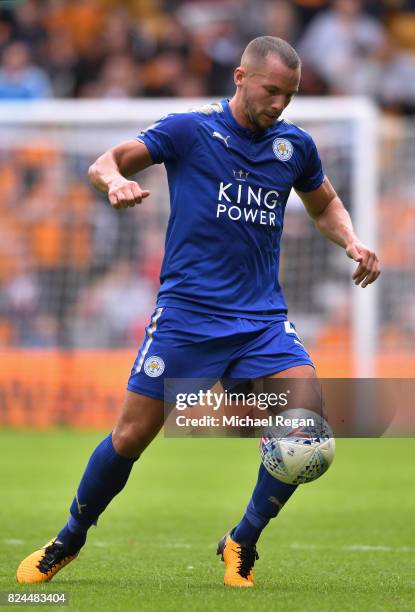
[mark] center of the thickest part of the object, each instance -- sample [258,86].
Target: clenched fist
[123,193]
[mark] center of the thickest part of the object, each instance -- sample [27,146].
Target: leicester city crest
[154,366]
[282,148]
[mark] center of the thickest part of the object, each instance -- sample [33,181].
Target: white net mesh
[76,274]
[396,212]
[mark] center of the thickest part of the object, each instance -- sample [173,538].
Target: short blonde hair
[259,48]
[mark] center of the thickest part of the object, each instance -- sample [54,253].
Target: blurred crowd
[74,272]
[136,48]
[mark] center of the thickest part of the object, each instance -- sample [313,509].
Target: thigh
[179,347]
[276,349]
[301,371]
[303,384]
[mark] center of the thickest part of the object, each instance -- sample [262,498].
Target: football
[298,454]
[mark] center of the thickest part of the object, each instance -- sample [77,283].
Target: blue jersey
[228,190]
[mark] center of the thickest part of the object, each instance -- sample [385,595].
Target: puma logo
[275,501]
[80,506]
[224,138]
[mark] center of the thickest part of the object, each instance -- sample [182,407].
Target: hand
[123,193]
[368,269]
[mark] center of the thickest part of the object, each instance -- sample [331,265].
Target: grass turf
[346,542]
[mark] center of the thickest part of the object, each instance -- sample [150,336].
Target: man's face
[265,90]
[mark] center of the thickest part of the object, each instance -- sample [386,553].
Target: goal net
[76,275]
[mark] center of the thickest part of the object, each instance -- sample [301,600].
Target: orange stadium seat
[402,29]
[82,20]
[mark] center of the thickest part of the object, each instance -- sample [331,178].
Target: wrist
[351,242]
[113,182]
[349,238]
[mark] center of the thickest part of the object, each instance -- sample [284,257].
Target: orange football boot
[43,564]
[239,562]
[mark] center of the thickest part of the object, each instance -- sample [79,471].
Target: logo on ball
[282,148]
[296,455]
[154,366]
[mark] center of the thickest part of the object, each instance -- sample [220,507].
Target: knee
[130,440]
[140,419]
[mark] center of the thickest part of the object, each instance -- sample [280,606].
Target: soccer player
[220,310]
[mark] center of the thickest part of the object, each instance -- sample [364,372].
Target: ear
[239,76]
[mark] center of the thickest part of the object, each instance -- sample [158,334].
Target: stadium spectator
[338,42]
[83,20]
[162,75]
[19,79]
[119,78]
[393,75]
[21,299]
[308,9]
[29,28]
[6,31]
[113,310]
[401,25]
[62,64]
[122,34]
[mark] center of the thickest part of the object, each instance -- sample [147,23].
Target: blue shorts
[183,344]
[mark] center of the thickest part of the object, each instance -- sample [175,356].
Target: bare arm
[108,174]
[332,219]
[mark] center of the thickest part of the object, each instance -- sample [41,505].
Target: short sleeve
[312,175]
[170,138]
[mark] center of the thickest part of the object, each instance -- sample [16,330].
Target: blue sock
[105,476]
[268,498]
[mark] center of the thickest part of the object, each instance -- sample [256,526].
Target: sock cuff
[116,456]
[75,526]
[257,520]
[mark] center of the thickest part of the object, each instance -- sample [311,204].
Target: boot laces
[247,557]
[54,554]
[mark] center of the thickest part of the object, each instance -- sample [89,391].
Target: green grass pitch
[346,542]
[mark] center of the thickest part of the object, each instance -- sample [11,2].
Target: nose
[278,104]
